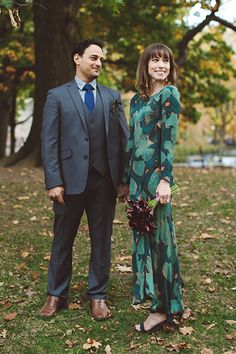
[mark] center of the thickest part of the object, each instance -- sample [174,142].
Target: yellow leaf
[205,236]
[74,306]
[211,326]
[91,343]
[47,257]
[3,334]
[24,254]
[207,351]
[186,330]
[69,343]
[124,268]
[231,335]
[187,313]
[108,349]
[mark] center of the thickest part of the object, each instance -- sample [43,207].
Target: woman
[153,126]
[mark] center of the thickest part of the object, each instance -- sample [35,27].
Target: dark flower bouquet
[141,213]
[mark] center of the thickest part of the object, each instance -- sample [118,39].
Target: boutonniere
[115,106]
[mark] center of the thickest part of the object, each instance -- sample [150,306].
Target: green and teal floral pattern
[153,129]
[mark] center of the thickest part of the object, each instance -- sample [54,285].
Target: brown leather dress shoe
[99,309]
[52,305]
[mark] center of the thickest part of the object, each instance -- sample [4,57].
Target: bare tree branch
[183,44]
[224,22]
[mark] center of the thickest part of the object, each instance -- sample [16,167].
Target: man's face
[89,65]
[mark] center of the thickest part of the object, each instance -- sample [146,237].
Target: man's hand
[56,194]
[163,191]
[122,192]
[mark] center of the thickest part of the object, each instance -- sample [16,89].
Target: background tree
[16,74]
[127,32]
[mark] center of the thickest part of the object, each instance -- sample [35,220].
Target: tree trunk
[12,121]
[52,66]
[4,121]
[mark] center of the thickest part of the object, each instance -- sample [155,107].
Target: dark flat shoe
[155,328]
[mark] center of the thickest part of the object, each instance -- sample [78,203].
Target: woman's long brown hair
[143,81]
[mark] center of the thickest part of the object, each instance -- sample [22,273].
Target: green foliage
[113,4]
[207,68]
[9,4]
[6,3]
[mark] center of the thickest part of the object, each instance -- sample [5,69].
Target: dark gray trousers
[98,201]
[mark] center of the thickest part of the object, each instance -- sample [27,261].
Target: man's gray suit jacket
[65,138]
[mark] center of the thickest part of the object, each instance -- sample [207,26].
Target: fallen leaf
[193,214]
[80,328]
[206,236]
[3,334]
[123,258]
[231,335]
[207,281]
[186,330]
[108,349]
[145,305]
[26,197]
[24,254]
[117,222]
[21,266]
[91,343]
[157,340]
[69,343]
[124,268]
[17,206]
[207,351]
[211,326]
[231,322]
[10,316]
[30,292]
[15,222]
[187,313]
[47,257]
[33,218]
[225,221]
[74,306]
[211,289]
[176,347]
[6,304]
[35,275]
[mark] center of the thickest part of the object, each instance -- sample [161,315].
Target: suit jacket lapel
[105,102]
[75,95]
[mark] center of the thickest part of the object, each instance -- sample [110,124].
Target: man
[84,136]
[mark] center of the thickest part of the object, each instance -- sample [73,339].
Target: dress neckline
[157,93]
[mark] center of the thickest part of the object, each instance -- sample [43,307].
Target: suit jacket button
[86,139]
[85,157]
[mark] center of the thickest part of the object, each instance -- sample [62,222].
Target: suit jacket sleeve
[50,142]
[169,126]
[123,137]
[129,148]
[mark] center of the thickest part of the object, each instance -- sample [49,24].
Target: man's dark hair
[80,47]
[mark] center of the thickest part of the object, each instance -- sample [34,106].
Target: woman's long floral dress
[153,128]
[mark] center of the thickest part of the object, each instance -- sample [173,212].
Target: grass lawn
[205,224]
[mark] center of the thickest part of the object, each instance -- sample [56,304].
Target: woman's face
[159,68]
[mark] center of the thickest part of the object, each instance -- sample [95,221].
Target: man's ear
[77,59]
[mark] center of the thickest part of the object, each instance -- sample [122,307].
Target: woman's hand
[163,191]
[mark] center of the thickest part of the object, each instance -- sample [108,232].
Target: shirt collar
[80,83]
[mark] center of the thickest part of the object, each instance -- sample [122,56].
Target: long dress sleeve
[170,103]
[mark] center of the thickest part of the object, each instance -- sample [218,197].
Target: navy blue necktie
[89,97]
